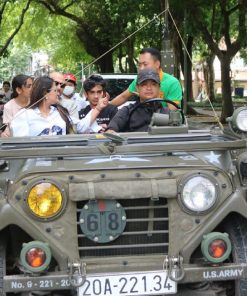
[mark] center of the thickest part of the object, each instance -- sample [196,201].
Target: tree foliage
[12,15]
[17,62]
[221,25]
[230,26]
[102,24]
[107,34]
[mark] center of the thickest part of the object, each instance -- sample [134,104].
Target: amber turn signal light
[216,247]
[35,256]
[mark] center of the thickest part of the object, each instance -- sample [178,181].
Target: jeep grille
[146,231]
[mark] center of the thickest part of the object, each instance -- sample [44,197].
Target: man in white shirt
[70,105]
[69,92]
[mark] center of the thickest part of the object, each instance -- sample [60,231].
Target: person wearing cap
[66,103]
[170,87]
[137,117]
[69,91]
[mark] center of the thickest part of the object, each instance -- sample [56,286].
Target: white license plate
[144,283]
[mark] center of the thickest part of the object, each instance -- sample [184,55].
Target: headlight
[198,194]
[239,119]
[45,200]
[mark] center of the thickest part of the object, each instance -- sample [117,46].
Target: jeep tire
[2,264]
[237,230]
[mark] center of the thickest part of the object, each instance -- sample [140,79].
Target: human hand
[5,134]
[104,126]
[102,103]
[107,95]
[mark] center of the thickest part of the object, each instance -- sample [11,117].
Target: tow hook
[77,273]
[176,269]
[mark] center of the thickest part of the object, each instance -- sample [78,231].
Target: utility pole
[167,54]
[185,65]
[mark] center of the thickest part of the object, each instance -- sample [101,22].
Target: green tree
[17,61]
[11,20]
[101,24]
[230,25]
[54,35]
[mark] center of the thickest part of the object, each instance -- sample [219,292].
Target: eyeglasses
[62,85]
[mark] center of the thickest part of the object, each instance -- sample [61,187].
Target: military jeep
[152,213]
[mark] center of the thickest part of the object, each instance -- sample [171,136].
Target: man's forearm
[120,99]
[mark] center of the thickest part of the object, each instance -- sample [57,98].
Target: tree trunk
[189,70]
[96,50]
[130,59]
[209,76]
[106,64]
[227,105]
[178,55]
[120,55]
[211,79]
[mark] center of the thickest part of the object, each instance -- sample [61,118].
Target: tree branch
[208,38]
[1,12]
[47,6]
[70,4]
[56,9]
[226,23]
[236,45]
[21,21]
[233,9]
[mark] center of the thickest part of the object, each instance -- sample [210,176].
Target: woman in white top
[21,86]
[45,116]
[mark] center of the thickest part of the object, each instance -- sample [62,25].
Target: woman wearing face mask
[69,92]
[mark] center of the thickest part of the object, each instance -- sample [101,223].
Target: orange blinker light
[217,248]
[35,257]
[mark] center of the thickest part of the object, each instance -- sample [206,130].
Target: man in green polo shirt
[170,87]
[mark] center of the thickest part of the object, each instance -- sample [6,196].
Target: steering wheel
[160,100]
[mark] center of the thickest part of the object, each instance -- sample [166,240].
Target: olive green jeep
[152,213]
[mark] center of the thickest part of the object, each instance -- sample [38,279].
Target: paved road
[204,119]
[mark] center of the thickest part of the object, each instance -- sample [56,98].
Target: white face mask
[68,90]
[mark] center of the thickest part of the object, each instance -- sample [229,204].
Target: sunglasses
[62,85]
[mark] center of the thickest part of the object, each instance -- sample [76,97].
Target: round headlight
[198,194]
[241,120]
[238,120]
[45,200]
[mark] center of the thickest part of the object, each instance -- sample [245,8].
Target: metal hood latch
[77,273]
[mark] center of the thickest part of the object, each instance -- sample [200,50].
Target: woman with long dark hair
[21,86]
[45,116]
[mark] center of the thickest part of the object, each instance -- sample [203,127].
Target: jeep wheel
[237,229]
[2,264]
